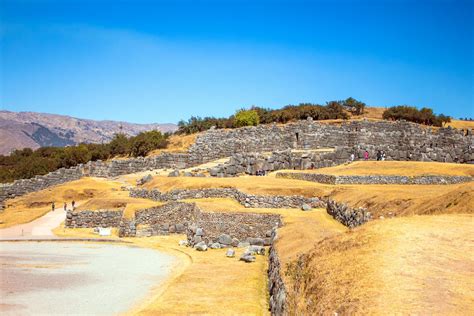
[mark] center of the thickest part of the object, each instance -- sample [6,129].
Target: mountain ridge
[20,130]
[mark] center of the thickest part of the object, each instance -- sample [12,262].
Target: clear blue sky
[162,61]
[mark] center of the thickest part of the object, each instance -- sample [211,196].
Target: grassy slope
[418,265]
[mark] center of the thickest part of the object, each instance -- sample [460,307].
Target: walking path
[41,227]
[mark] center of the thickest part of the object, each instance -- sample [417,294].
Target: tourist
[73,204]
[366,155]
[379,155]
[383,156]
[52,206]
[352,157]
[65,206]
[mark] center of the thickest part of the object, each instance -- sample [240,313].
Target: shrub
[412,114]
[246,118]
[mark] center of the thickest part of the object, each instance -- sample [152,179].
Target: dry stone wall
[91,219]
[400,140]
[247,200]
[373,179]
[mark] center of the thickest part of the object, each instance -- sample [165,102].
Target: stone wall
[400,140]
[250,163]
[276,286]
[247,200]
[374,179]
[173,217]
[91,219]
[350,217]
[234,227]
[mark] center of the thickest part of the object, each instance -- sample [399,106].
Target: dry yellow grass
[177,143]
[461,124]
[413,265]
[380,199]
[401,168]
[31,206]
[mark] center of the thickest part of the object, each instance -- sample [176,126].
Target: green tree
[145,142]
[119,145]
[246,118]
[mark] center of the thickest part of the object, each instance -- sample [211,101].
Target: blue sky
[162,61]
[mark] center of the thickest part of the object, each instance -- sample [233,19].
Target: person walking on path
[352,157]
[65,206]
[366,155]
[73,205]
[52,206]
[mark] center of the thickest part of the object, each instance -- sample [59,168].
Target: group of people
[73,204]
[380,155]
[260,173]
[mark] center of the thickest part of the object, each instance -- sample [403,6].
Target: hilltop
[33,130]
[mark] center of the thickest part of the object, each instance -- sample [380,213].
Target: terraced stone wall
[374,179]
[247,200]
[400,140]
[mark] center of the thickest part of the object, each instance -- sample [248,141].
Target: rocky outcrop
[374,179]
[247,200]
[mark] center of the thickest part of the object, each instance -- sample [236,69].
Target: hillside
[33,130]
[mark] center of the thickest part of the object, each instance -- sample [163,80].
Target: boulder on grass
[246,257]
[200,246]
[306,207]
[225,239]
[230,253]
[215,245]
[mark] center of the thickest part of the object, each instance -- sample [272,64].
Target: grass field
[413,265]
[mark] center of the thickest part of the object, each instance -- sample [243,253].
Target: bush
[145,142]
[246,118]
[412,114]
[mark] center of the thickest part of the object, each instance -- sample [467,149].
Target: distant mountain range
[33,130]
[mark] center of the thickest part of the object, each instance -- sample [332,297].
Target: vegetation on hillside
[258,115]
[409,113]
[27,163]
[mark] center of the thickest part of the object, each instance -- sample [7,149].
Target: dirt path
[40,227]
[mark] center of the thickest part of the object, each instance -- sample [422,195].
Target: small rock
[230,253]
[215,245]
[247,258]
[201,246]
[243,244]
[197,239]
[199,232]
[183,243]
[235,242]
[306,207]
[259,250]
[174,173]
[180,228]
[225,239]
[256,241]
